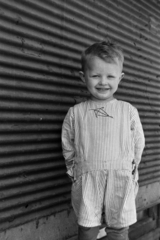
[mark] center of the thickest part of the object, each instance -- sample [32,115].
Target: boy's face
[102,78]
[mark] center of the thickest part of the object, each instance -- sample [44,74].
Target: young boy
[103,141]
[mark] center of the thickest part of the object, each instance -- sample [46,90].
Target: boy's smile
[102,78]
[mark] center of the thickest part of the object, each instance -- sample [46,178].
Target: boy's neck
[102,101]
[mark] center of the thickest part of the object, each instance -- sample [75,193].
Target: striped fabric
[100,141]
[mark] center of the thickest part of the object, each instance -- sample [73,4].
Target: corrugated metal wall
[40,47]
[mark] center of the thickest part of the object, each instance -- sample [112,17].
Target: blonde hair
[106,50]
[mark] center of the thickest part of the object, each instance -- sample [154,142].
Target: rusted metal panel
[41,43]
[33,182]
[155,234]
[148,196]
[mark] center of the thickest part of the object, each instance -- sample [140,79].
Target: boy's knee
[87,233]
[117,233]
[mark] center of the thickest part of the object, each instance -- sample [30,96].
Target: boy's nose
[103,81]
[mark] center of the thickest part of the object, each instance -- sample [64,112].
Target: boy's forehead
[93,60]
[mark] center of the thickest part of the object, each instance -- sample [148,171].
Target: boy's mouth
[103,89]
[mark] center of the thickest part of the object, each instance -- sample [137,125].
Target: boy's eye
[110,76]
[95,76]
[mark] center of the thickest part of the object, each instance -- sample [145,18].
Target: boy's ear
[81,74]
[122,76]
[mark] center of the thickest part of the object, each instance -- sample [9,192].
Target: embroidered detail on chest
[100,112]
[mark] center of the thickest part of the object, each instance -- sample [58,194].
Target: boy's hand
[70,177]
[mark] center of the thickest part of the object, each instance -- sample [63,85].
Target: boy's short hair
[106,50]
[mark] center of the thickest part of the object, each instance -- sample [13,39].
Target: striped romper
[102,143]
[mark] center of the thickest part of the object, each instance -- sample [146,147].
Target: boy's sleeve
[68,142]
[139,139]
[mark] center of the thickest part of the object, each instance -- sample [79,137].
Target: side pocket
[135,178]
[76,195]
[136,188]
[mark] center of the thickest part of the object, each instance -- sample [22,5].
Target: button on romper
[100,141]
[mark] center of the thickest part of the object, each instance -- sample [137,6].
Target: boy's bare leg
[117,234]
[87,233]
